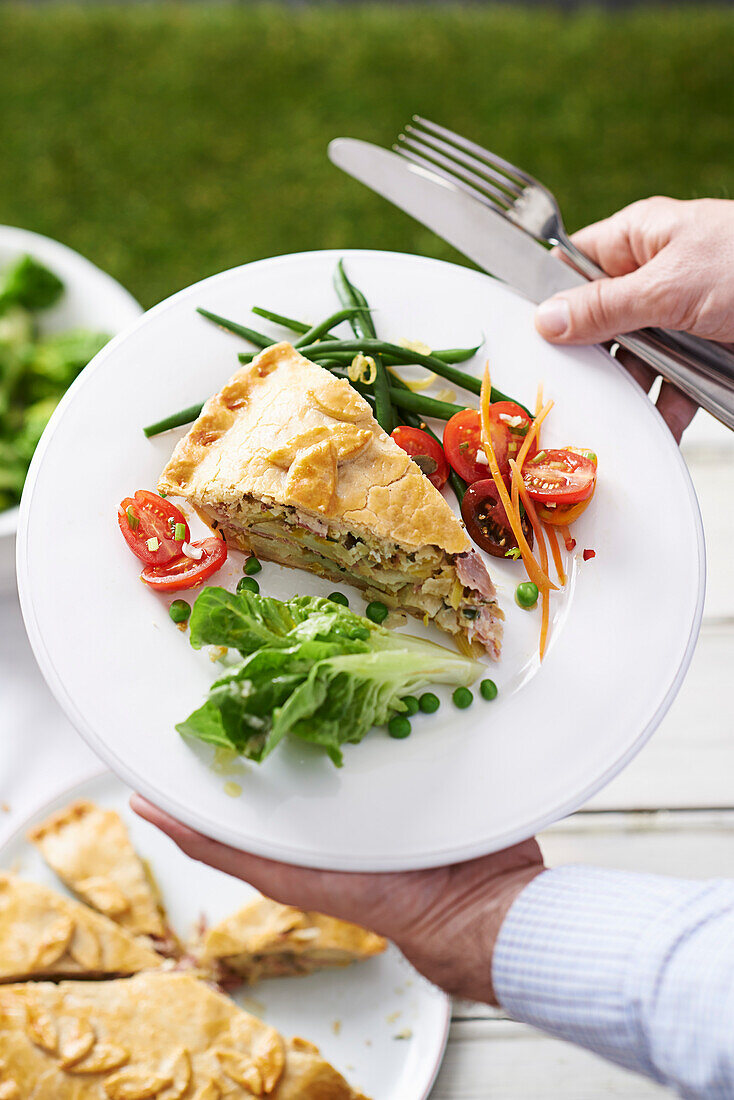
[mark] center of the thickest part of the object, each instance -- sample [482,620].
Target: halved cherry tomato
[462,441]
[559,477]
[516,420]
[425,451]
[563,515]
[486,519]
[148,516]
[184,572]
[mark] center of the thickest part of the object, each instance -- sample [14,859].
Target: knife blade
[507,252]
[485,237]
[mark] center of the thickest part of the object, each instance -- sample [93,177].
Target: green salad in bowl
[35,368]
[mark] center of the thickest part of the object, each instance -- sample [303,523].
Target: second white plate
[381,1024]
[466,782]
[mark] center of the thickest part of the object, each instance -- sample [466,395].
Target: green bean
[259,339]
[279,319]
[322,328]
[456,355]
[363,326]
[420,403]
[176,420]
[370,345]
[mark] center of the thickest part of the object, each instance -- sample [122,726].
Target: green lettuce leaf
[313,670]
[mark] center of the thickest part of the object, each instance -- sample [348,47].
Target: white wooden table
[671,811]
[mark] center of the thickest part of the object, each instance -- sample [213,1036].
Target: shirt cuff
[582,950]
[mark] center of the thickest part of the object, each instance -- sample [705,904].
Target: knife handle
[706,386]
[692,349]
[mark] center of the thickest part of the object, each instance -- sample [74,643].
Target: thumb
[597,311]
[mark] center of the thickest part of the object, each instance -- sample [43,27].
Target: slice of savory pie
[161,1035]
[268,940]
[289,463]
[45,935]
[90,850]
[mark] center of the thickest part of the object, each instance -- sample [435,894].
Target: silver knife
[507,252]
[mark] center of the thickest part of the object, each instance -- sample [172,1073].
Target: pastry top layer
[162,1035]
[283,429]
[90,850]
[43,934]
[265,926]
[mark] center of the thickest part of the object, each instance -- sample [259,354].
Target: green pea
[411,703]
[377,612]
[338,597]
[526,594]
[248,584]
[463,698]
[180,611]
[252,565]
[488,688]
[429,703]
[399,727]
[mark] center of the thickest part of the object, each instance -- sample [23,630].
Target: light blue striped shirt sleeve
[638,968]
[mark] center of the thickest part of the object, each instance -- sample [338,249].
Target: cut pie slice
[289,463]
[268,940]
[90,850]
[45,935]
[162,1035]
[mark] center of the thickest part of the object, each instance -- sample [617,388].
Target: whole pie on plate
[268,940]
[289,463]
[159,1034]
[90,850]
[45,935]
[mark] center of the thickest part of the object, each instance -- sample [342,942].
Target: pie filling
[283,964]
[452,590]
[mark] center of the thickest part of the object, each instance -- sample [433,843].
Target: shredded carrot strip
[567,537]
[533,431]
[539,399]
[518,486]
[545,603]
[513,515]
[556,551]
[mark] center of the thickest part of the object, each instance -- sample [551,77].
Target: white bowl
[91,300]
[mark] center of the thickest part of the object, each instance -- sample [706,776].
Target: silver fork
[527,203]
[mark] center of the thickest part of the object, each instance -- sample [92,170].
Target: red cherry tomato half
[559,477]
[185,572]
[486,519]
[462,441]
[508,415]
[426,452]
[147,516]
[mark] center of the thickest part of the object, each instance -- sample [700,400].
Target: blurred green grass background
[167,143]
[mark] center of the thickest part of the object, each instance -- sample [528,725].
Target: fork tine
[423,162]
[454,166]
[464,158]
[478,150]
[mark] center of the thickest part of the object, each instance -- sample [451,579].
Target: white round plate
[91,299]
[466,782]
[356,1016]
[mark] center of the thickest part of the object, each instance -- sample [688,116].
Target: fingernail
[552,318]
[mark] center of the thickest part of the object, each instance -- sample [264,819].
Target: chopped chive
[132,520]
[179,532]
[153,544]
[252,565]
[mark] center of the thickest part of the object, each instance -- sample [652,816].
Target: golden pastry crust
[266,939]
[263,410]
[43,935]
[90,850]
[160,1035]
